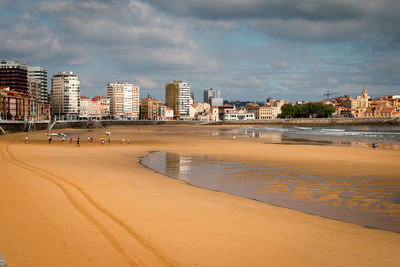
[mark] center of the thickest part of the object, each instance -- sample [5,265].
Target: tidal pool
[368,201]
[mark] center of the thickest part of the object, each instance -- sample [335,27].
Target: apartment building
[39,73]
[90,108]
[124,100]
[268,112]
[14,74]
[151,109]
[104,106]
[34,88]
[177,97]
[213,97]
[65,96]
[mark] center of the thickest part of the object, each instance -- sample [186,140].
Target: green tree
[287,111]
[308,110]
[329,110]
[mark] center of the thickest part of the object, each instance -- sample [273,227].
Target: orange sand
[97,206]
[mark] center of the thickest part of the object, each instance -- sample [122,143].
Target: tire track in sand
[41,214]
[78,206]
[142,241]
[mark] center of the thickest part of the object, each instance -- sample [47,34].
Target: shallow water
[387,137]
[368,201]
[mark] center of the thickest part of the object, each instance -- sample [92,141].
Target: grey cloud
[123,39]
[305,20]
[30,40]
[152,42]
[313,31]
[261,9]
[132,35]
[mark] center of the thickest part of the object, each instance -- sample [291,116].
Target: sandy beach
[95,205]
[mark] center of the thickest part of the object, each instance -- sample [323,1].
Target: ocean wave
[333,130]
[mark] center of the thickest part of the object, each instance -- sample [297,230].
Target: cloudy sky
[248,49]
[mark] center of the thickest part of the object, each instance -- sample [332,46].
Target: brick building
[14,74]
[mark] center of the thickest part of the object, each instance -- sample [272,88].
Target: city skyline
[293,50]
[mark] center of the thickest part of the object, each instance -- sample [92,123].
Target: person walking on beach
[50,139]
[123,141]
[88,139]
[102,140]
[129,141]
[70,140]
[63,140]
[26,139]
[78,141]
[374,145]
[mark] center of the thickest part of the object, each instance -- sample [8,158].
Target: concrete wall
[21,126]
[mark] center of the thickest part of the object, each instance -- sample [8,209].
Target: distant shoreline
[322,121]
[24,126]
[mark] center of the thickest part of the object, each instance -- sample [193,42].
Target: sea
[387,137]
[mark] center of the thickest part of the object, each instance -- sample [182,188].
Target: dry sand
[97,206]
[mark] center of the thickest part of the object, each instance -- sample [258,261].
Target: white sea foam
[339,133]
[333,130]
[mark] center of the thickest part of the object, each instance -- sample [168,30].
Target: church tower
[363,99]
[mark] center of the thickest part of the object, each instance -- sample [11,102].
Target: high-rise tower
[65,94]
[14,74]
[177,97]
[40,74]
[213,97]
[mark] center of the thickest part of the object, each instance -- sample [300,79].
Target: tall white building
[213,97]
[39,73]
[65,94]
[177,97]
[124,100]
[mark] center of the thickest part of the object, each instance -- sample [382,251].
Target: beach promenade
[95,205]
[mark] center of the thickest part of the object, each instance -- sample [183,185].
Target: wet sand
[370,201]
[97,206]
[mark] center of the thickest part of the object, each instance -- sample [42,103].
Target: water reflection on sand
[369,201]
